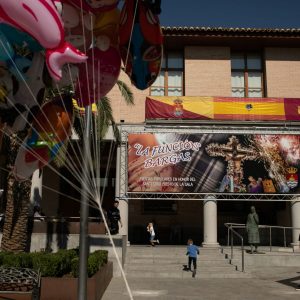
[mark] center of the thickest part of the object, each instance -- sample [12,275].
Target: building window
[170,79]
[246,75]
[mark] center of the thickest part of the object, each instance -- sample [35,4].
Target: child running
[150,230]
[192,252]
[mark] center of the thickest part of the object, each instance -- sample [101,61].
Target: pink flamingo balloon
[41,20]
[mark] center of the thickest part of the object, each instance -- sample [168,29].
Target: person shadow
[255,252]
[62,233]
[185,268]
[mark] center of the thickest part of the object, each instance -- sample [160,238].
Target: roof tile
[231,31]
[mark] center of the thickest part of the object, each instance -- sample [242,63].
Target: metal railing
[270,227]
[232,231]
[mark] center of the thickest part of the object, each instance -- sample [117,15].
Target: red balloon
[98,76]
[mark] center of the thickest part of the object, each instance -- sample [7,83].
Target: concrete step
[164,250]
[168,249]
[168,262]
[200,275]
[180,257]
[162,262]
[177,268]
[228,275]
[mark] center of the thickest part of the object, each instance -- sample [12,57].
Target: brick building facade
[271,68]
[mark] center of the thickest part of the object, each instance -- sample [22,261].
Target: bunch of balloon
[32,34]
[101,71]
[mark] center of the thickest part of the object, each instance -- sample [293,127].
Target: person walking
[192,252]
[151,232]
[252,229]
[114,218]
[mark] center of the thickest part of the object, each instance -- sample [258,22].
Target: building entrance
[176,221]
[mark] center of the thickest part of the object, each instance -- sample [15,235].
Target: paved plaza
[265,284]
[158,273]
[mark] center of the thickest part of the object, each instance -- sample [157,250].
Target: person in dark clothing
[114,218]
[2,219]
[192,252]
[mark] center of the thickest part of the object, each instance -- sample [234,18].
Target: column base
[210,245]
[296,246]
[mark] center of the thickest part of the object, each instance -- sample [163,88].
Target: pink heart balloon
[98,76]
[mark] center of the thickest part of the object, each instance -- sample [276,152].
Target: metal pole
[284,236]
[231,243]
[84,211]
[270,239]
[243,256]
[228,236]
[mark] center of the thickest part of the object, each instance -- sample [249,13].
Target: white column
[123,204]
[210,222]
[295,214]
[36,189]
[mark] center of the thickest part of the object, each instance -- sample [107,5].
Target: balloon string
[22,116]
[128,49]
[112,148]
[60,193]
[90,204]
[41,159]
[131,32]
[116,254]
[77,169]
[90,163]
[92,168]
[70,167]
[87,76]
[60,175]
[85,50]
[35,100]
[30,125]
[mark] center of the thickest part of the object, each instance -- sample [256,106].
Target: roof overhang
[178,37]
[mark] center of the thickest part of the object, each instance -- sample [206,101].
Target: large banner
[213,163]
[223,108]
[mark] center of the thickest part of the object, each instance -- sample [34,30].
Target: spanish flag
[223,108]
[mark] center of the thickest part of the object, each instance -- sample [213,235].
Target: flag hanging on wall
[223,108]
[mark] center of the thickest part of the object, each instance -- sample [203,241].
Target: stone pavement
[273,283]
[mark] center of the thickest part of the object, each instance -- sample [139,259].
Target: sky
[231,13]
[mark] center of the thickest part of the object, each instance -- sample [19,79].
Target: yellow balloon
[81,110]
[106,29]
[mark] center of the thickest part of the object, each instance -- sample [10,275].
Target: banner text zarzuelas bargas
[175,153]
